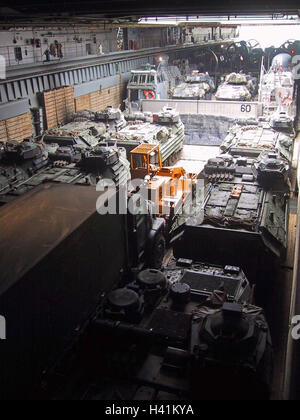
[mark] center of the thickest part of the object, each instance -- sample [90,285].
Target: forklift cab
[145,159]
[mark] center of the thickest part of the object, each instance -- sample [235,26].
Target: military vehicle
[278,85]
[113,118]
[151,82]
[237,87]
[86,129]
[56,261]
[20,161]
[94,165]
[272,172]
[281,120]
[196,86]
[241,222]
[85,132]
[177,334]
[166,130]
[252,140]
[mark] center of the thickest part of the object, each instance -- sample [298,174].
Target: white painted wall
[243,110]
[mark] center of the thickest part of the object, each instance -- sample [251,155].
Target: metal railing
[32,54]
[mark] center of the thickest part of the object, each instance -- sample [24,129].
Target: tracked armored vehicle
[252,140]
[113,118]
[237,87]
[86,130]
[93,166]
[166,130]
[180,333]
[195,86]
[242,220]
[20,161]
[83,131]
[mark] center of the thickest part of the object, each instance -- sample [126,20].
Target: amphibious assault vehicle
[237,87]
[252,140]
[92,166]
[188,331]
[166,130]
[243,220]
[195,86]
[85,130]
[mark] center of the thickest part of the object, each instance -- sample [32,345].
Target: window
[18,54]
[143,79]
[151,79]
[88,49]
[135,79]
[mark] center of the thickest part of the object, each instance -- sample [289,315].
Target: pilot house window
[143,79]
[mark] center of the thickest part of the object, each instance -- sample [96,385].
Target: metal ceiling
[125,11]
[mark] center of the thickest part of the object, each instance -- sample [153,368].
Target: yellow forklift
[169,188]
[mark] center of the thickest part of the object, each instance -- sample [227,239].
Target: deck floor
[194,158]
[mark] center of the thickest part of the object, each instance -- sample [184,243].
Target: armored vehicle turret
[113,118]
[282,120]
[20,161]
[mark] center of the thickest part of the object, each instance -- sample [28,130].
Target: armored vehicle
[86,130]
[152,83]
[113,118]
[282,120]
[241,222]
[166,130]
[272,172]
[186,332]
[196,86]
[20,161]
[237,87]
[93,166]
[56,262]
[252,140]
[83,131]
